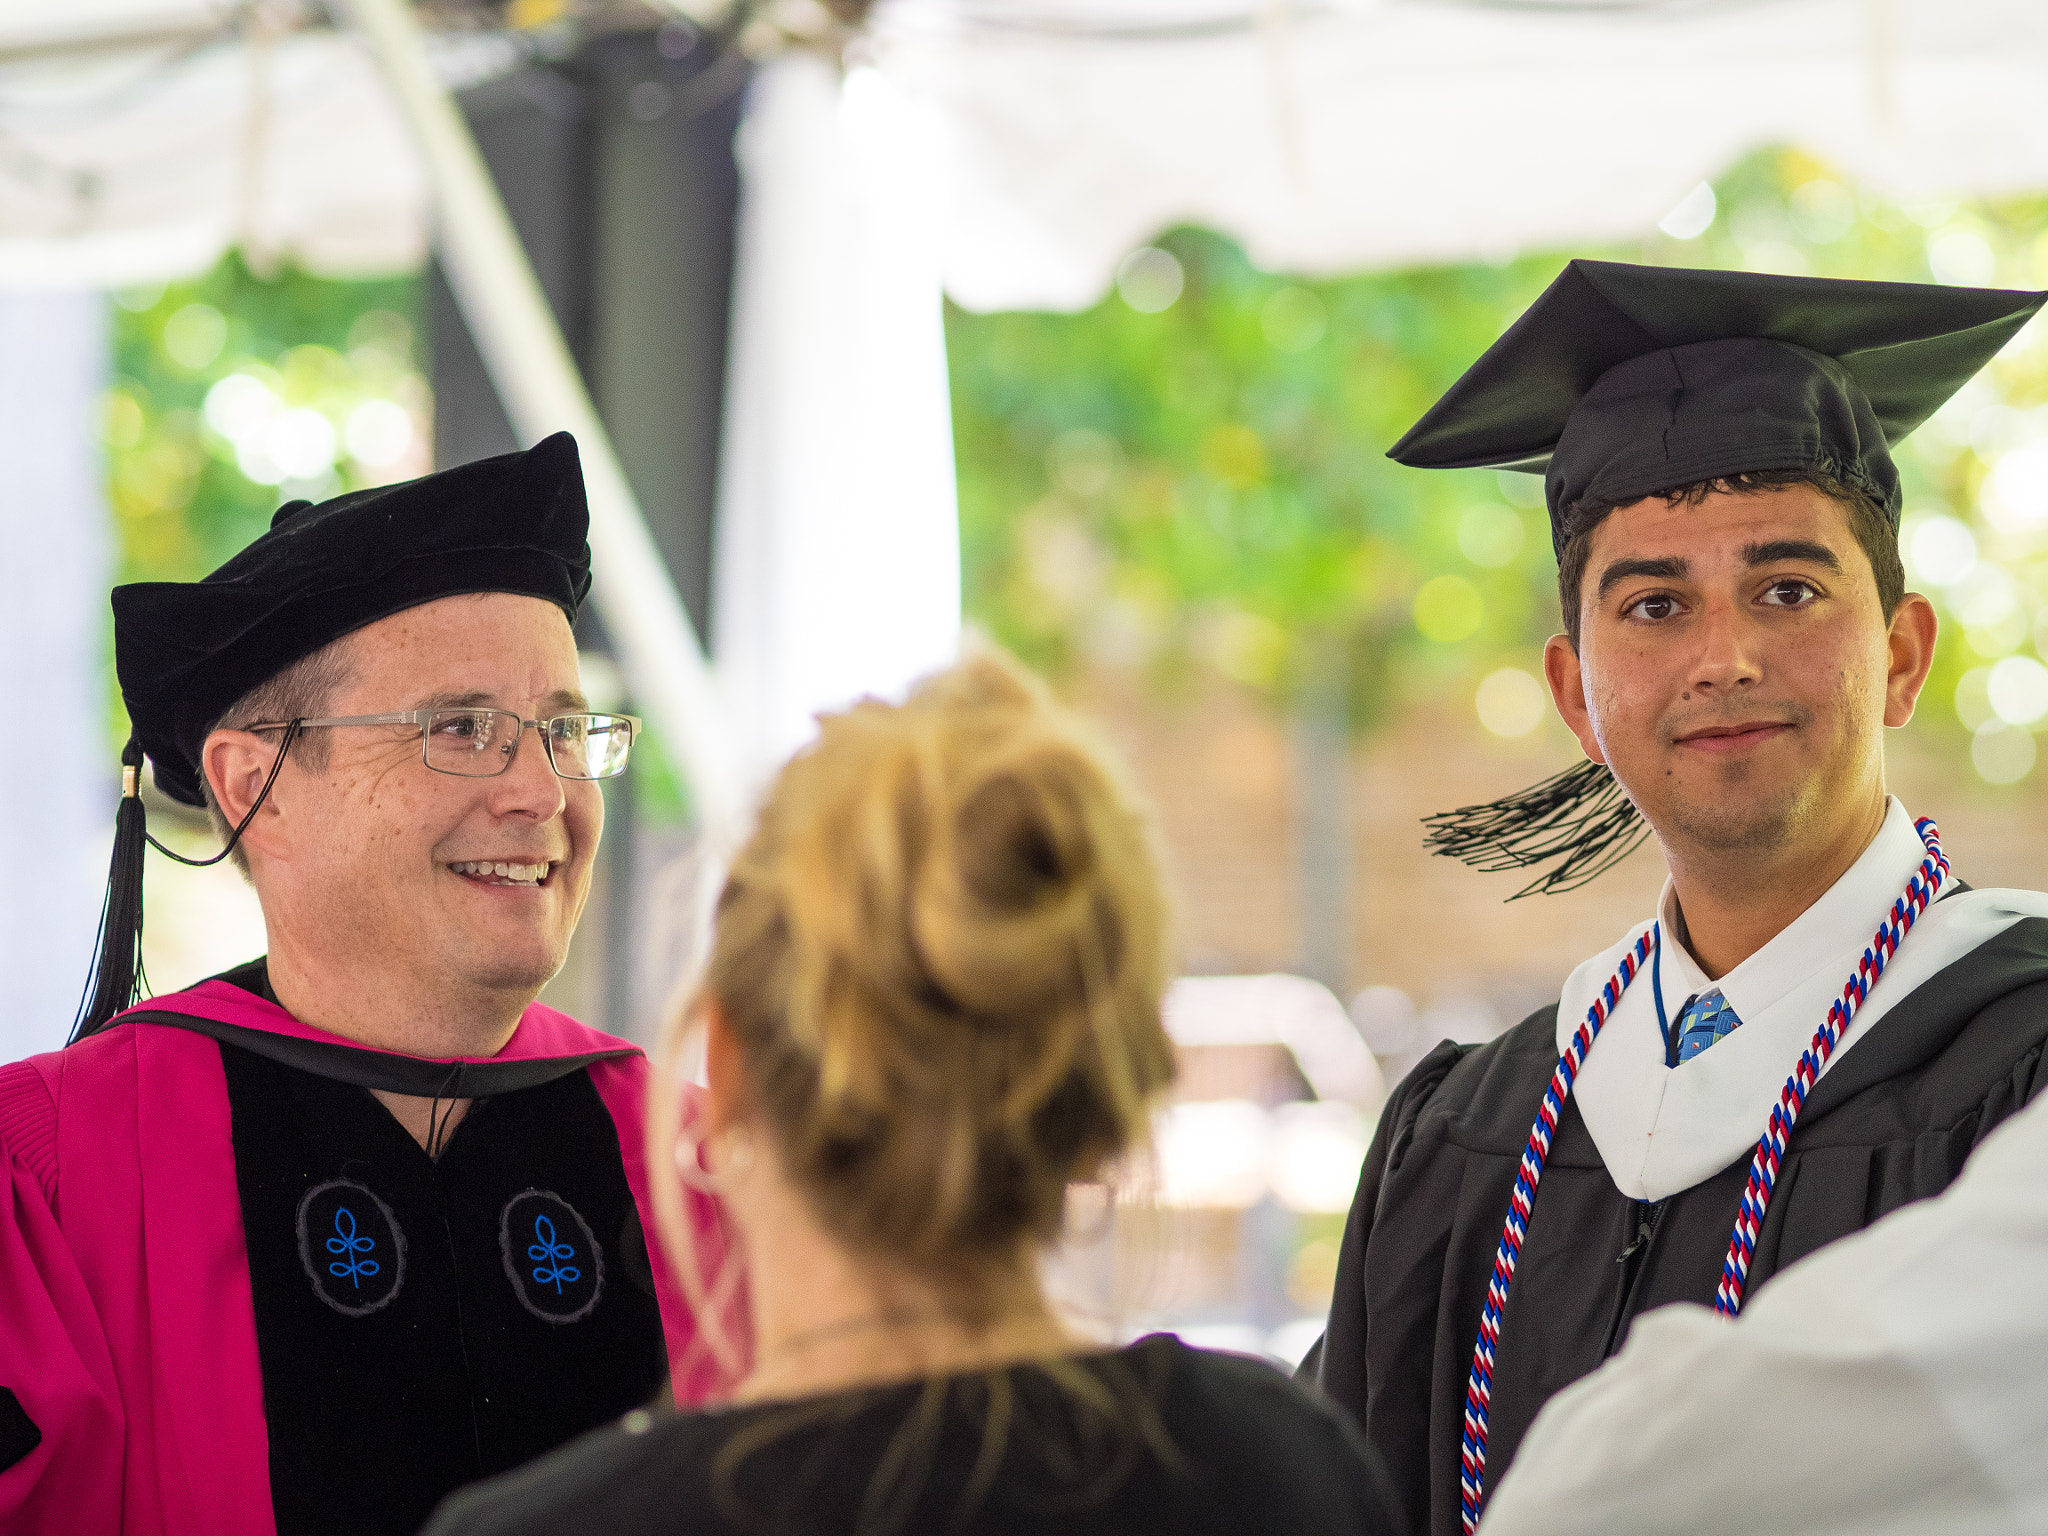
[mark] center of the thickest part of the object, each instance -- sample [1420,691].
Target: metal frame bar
[666,672]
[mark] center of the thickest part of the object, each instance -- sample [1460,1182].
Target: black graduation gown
[1890,1123]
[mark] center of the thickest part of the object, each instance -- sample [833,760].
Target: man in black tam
[304,1247]
[1820,1020]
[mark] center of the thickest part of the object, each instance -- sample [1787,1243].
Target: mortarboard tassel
[1582,818]
[117,976]
[117,959]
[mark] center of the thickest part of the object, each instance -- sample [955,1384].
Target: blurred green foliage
[178,484]
[1203,487]
[1198,485]
[182,502]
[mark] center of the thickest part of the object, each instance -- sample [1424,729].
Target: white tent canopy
[1402,134]
[160,138]
[1325,138]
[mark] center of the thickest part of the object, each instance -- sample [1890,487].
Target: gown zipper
[1645,1217]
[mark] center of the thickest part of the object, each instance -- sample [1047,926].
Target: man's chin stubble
[1734,818]
[505,975]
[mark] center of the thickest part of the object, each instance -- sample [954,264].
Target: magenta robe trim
[128,1330]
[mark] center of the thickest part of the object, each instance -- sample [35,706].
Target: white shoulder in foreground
[1895,1382]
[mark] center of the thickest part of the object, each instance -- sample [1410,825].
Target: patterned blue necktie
[1704,1020]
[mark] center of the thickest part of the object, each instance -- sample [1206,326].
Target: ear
[1567,681]
[236,763]
[724,1076]
[1910,653]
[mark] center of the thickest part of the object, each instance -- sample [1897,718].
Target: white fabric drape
[1361,134]
[837,555]
[1888,1385]
[137,166]
[58,777]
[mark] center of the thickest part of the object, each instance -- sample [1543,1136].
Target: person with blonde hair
[931,1005]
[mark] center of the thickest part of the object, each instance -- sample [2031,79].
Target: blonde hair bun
[941,955]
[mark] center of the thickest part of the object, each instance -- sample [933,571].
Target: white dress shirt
[1662,1129]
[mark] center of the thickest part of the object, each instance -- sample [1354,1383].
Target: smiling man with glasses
[308,1245]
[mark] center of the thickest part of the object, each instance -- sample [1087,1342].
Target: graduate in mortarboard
[304,1247]
[1819,1019]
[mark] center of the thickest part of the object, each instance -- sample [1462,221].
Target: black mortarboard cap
[186,651]
[1621,381]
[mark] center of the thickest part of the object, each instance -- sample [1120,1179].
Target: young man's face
[375,860]
[1735,667]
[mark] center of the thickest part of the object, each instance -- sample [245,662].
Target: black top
[1236,1447]
[1625,380]
[1891,1122]
[425,1322]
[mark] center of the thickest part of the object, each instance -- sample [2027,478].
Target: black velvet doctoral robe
[409,1342]
[1892,1121]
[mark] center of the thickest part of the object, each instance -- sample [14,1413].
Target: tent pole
[536,378]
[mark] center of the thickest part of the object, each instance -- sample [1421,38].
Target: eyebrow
[1676,568]
[1791,549]
[1670,567]
[567,700]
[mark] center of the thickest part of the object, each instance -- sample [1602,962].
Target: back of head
[941,955]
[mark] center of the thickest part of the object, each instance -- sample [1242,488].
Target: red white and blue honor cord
[1921,889]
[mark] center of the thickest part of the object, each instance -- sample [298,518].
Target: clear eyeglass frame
[482,743]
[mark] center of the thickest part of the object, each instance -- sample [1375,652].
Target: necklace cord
[1922,888]
[438,1123]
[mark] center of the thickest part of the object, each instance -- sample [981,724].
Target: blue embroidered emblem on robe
[551,1256]
[351,1247]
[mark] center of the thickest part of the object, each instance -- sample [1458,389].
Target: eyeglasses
[481,743]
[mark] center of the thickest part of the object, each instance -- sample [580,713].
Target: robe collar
[1662,1129]
[545,1044]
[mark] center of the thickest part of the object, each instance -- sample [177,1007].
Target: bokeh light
[1940,549]
[1149,279]
[379,433]
[1822,210]
[1962,257]
[1316,1152]
[1214,1154]
[1973,699]
[1082,461]
[2017,689]
[1448,609]
[194,336]
[1490,536]
[1293,319]
[1692,215]
[2002,754]
[2016,491]
[1510,702]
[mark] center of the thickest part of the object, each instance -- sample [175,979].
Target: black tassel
[1581,818]
[116,978]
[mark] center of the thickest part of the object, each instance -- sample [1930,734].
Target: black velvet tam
[1621,381]
[186,651]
